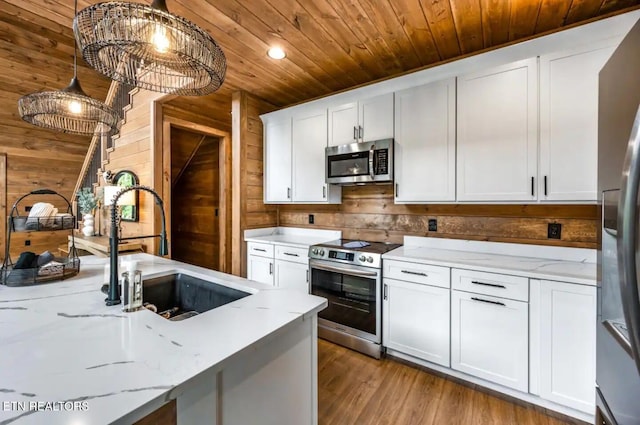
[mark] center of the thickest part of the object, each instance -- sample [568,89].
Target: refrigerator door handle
[628,238]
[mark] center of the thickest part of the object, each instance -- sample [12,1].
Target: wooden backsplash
[368,212]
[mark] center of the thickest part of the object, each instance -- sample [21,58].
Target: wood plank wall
[368,212]
[195,198]
[249,212]
[36,53]
[133,151]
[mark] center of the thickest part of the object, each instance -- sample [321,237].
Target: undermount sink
[179,296]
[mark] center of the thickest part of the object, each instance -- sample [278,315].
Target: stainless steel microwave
[360,163]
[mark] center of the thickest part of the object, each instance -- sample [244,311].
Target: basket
[58,269]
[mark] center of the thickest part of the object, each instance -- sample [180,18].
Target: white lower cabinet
[292,275]
[490,338]
[563,329]
[415,320]
[260,269]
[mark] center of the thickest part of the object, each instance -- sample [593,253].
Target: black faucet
[113,295]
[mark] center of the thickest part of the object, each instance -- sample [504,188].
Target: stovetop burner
[350,251]
[357,245]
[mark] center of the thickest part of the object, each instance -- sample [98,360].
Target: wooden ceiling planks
[331,45]
[467,16]
[552,14]
[495,16]
[523,18]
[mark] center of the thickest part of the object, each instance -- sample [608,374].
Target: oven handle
[344,271]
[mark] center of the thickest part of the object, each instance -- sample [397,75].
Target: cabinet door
[425,143]
[415,320]
[375,117]
[569,123]
[292,276]
[343,124]
[497,134]
[277,160]
[260,269]
[309,143]
[490,338]
[565,317]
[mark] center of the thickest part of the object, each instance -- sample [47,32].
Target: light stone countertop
[291,236]
[60,342]
[573,265]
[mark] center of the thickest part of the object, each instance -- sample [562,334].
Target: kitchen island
[68,359]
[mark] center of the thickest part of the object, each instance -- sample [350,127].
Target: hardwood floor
[355,389]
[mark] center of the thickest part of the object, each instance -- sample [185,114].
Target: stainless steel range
[348,274]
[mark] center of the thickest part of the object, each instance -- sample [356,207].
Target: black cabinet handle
[493,285]
[396,190]
[260,249]
[545,185]
[488,301]
[270,268]
[384,292]
[355,133]
[288,193]
[414,273]
[532,187]
[290,254]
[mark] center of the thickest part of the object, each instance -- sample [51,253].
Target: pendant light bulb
[75,107]
[159,39]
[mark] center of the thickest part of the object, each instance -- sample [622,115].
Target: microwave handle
[372,171]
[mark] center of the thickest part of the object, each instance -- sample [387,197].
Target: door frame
[163,162]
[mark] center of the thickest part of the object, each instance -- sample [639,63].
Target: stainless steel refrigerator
[618,325]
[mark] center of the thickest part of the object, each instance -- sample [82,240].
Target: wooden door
[195,231]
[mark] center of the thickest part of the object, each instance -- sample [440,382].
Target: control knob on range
[370,259]
[322,253]
[314,251]
[362,258]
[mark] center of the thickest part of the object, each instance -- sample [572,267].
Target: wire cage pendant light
[69,110]
[148,47]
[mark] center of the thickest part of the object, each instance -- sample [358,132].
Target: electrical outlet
[554,230]
[27,242]
[433,225]
[311,219]
[27,208]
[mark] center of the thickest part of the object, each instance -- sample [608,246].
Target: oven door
[353,294]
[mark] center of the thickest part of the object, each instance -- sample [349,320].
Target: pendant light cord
[75,45]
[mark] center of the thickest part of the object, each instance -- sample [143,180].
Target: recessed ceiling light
[276,53]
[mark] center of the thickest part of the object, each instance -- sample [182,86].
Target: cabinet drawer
[260,249]
[294,254]
[494,284]
[417,273]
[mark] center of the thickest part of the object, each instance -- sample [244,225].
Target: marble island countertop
[68,359]
[573,265]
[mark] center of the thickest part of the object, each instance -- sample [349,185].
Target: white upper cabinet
[277,150]
[569,122]
[294,151]
[497,133]
[309,141]
[361,121]
[425,143]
